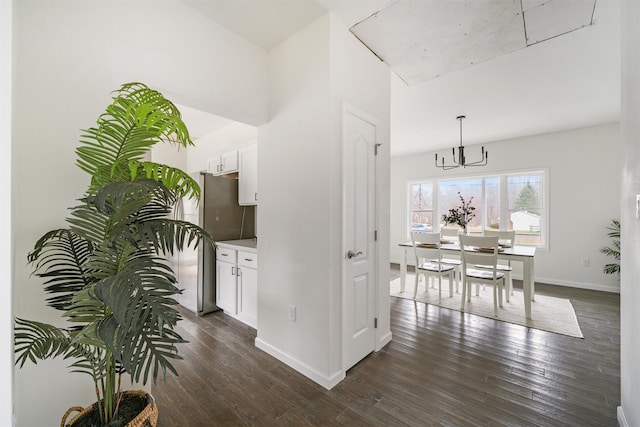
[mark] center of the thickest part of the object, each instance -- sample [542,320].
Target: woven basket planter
[148,417]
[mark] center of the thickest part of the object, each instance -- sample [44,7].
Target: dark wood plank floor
[442,368]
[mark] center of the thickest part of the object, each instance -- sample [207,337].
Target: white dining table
[523,254]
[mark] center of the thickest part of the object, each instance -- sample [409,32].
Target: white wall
[629,411]
[6,243]
[584,188]
[299,170]
[69,56]
[359,79]
[295,174]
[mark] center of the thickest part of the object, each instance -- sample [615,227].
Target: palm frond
[36,340]
[166,235]
[611,268]
[60,257]
[614,249]
[138,118]
[88,222]
[173,178]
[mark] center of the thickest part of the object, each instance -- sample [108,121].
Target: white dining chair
[426,247]
[451,235]
[481,250]
[506,239]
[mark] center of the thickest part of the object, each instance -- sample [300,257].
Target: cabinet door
[248,296]
[229,161]
[248,176]
[214,165]
[226,289]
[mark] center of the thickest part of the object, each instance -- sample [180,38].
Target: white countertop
[249,245]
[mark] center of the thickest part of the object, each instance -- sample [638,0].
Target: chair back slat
[431,248]
[504,236]
[479,250]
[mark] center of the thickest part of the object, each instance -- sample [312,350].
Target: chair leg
[464,293]
[415,287]
[510,284]
[495,299]
[439,287]
[451,283]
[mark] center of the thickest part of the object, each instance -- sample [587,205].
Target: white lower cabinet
[226,287]
[248,288]
[237,284]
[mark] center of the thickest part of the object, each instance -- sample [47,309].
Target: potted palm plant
[106,273]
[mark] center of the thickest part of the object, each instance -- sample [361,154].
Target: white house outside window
[512,201]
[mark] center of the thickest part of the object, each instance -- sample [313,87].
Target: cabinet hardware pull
[255,196]
[248,259]
[232,272]
[224,254]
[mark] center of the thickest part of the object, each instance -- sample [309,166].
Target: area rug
[548,313]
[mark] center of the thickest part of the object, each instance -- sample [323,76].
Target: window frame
[503,177]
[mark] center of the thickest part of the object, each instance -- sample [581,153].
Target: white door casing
[359,226]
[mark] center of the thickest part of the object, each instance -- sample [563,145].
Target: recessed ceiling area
[422,40]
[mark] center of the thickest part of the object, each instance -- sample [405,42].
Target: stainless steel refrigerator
[219,213]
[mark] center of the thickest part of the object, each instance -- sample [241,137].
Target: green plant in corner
[614,249]
[106,272]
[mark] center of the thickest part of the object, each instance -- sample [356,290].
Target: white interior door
[359,225]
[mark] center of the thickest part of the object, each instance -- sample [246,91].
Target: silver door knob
[352,254]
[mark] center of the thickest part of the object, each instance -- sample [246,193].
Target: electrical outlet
[292,313]
[585,262]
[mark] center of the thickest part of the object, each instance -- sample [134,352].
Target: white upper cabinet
[224,162]
[248,175]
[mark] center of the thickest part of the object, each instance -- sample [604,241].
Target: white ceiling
[563,83]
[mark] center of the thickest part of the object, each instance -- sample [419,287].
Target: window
[422,207]
[513,201]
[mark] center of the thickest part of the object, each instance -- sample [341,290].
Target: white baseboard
[572,284]
[383,340]
[622,421]
[326,381]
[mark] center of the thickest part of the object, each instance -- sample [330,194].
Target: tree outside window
[525,208]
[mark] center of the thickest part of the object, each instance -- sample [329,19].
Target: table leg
[533,282]
[403,269]
[527,285]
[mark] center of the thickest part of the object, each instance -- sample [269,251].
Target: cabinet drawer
[248,259]
[226,254]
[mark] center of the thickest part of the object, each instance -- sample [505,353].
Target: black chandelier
[461,159]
